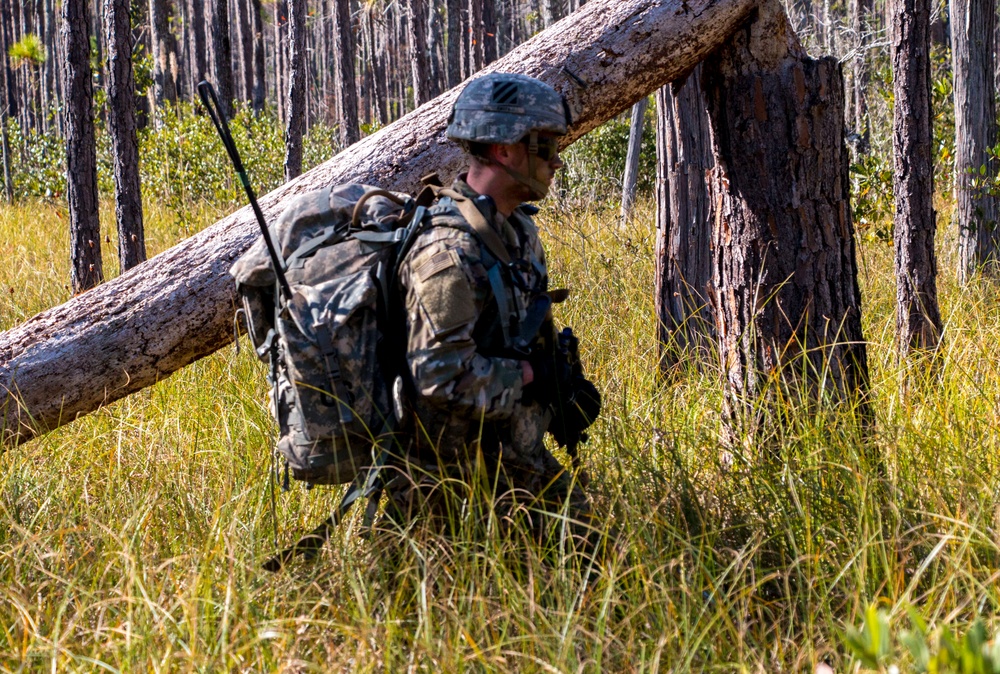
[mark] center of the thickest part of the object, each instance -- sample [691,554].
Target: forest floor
[131,539]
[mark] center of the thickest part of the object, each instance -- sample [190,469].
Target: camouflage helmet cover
[504,107]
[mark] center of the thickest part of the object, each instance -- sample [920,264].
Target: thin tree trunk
[164,88]
[259,73]
[784,269]
[5,107]
[860,23]
[455,39]
[246,49]
[296,89]
[972,24]
[198,46]
[223,54]
[138,328]
[417,20]
[344,83]
[476,35]
[630,180]
[489,32]
[124,141]
[81,151]
[684,218]
[918,320]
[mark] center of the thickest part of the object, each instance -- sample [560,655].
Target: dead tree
[788,307]
[178,307]
[684,219]
[630,181]
[918,319]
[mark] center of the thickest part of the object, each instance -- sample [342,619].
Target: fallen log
[131,332]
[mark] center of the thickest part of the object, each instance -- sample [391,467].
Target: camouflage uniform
[470,410]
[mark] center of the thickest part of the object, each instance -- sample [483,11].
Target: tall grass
[132,539]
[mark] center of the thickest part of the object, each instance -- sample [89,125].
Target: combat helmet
[508,108]
[504,108]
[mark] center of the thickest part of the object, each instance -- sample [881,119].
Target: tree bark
[138,328]
[164,87]
[347,99]
[124,141]
[223,53]
[245,49]
[630,180]
[296,89]
[454,42]
[416,11]
[684,218]
[972,25]
[475,36]
[918,320]
[259,74]
[81,151]
[489,32]
[5,107]
[784,267]
[198,46]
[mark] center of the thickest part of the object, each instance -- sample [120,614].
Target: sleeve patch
[436,264]
[446,296]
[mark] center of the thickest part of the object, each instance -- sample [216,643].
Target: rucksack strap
[490,238]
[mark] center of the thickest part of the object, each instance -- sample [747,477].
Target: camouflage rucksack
[330,348]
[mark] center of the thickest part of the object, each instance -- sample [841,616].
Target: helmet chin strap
[537,187]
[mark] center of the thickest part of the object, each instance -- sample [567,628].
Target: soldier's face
[518,159]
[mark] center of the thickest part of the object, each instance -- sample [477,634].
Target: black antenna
[211,102]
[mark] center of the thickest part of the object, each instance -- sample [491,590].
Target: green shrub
[595,164]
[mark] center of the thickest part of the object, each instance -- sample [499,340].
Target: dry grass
[131,540]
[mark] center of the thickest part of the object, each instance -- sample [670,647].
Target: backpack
[336,348]
[331,355]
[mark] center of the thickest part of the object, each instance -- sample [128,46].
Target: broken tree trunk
[788,308]
[178,307]
[683,224]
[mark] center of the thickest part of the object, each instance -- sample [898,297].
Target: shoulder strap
[488,235]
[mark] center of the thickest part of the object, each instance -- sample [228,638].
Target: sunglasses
[548,148]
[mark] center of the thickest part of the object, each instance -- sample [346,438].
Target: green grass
[131,540]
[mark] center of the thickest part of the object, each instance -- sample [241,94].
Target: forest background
[132,538]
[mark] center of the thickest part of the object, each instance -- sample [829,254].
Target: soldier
[474,282]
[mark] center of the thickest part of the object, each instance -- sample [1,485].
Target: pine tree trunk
[684,218]
[164,88]
[918,320]
[81,151]
[280,57]
[416,11]
[296,88]
[455,39]
[630,180]
[223,55]
[347,101]
[784,268]
[245,49]
[259,74]
[489,32]
[7,31]
[138,328]
[5,107]
[972,24]
[859,76]
[198,46]
[476,35]
[124,141]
